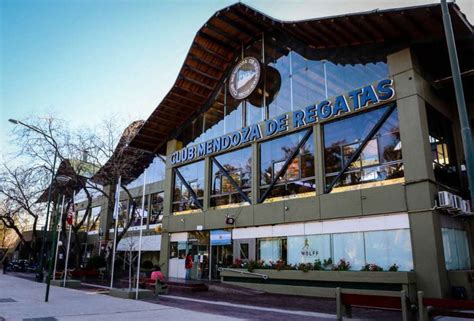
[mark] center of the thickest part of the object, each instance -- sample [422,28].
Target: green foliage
[372,267]
[394,268]
[342,265]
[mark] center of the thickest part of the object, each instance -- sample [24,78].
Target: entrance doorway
[222,256]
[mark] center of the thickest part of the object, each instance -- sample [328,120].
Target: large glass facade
[381,158]
[238,166]
[193,175]
[384,248]
[299,176]
[156,208]
[292,80]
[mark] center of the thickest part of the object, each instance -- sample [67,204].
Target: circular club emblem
[244,78]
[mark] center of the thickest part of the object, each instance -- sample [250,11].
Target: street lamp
[39,274]
[61,181]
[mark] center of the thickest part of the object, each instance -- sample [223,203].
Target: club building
[316,141]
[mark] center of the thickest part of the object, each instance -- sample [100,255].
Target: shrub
[305,267]
[342,265]
[327,264]
[252,265]
[394,268]
[318,265]
[372,267]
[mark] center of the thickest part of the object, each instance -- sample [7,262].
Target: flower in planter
[318,265]
[342,265]
[327,264]
[394,268]
[372,267]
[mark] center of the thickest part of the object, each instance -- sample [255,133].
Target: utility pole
[466,133]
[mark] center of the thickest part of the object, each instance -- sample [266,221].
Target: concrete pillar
[319,158]
[171,146]
[107,213]
[425,230]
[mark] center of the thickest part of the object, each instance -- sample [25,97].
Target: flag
[117,198]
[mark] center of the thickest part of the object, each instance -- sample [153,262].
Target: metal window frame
[286,164]
[370,135]
[188,187]
[231,180]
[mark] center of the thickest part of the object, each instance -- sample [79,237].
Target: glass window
[271,250]
[381,158]
[307,249]
[238,165]
[193,175]
[299,177]
[156,208]
[155,172]
[123,213]
[139,212]
[456,249]
[442,148]
[349,246]
[386,248]
[79,217]
[95,219]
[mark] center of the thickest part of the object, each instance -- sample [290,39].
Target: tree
[108,158]
[20,188]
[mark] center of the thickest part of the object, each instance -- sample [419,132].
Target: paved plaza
[22,299]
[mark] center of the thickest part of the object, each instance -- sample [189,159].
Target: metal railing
[263,276]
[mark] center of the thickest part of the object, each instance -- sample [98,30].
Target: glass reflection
[381,158]
[299,176]
[193,174]
[238,165]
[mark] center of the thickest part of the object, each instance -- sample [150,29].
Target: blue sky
[84,60]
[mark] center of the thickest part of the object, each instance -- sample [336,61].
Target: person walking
[188,265]
[5,264]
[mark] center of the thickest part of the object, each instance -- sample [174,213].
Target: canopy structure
[78,171]
[344,39]
[126,161]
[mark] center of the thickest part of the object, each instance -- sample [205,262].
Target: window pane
[349,246]
[386,248]
[463,249]
[193,174]
[306,249]
[156,207]
[270,250]
[238,165]
[380,159]
[450,251]
[299,175]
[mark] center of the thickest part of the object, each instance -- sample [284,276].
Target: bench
[428,308]
[345,302]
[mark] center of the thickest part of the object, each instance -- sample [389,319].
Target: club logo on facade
[244,78]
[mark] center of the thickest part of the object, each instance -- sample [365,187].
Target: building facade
[321,144]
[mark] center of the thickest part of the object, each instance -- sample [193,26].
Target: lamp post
[39,274]
[62,181]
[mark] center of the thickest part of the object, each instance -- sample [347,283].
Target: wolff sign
[352,101]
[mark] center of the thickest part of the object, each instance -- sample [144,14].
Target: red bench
[345,302]
[431,307]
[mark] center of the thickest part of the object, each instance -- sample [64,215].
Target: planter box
[323,283]
[131,293]
[72,284]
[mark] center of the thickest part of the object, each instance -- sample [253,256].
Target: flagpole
[141,234]
[59,236]
[116,206]
[68,242]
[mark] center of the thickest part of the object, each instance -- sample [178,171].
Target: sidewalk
[21,300]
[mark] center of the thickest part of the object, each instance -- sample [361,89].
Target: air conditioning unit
[446,200]
[466,207]
[457,202]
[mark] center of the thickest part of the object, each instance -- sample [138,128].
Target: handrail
[263,276]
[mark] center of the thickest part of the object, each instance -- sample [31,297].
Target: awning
[149,243]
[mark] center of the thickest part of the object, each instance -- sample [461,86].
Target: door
[222,256]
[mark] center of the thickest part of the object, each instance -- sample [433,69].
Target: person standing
[188,265]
